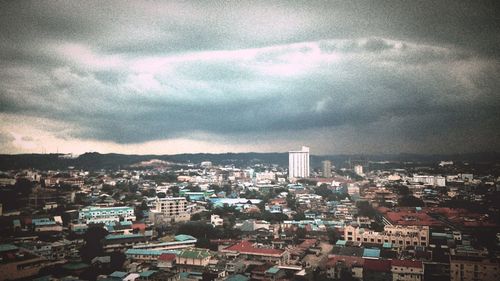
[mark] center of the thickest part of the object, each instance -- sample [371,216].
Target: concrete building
[298,163]
[473,268]
[250,251]
[216,220]
[192,259]
[358,169]
[16,263]
[399,236]
[327,168]
[173,209]
[407,270]
[430,180]
[106,215]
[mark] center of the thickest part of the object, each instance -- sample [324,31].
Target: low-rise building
[16,263]
[399,236]
[216,220]
[250,251]
[192,259]
[106,215]
[473,268]
[407,270]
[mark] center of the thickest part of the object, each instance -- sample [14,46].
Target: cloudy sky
[209,76]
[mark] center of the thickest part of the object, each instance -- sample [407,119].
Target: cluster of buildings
[176,221]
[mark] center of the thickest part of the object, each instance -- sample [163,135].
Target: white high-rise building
[298,163]
[358,169]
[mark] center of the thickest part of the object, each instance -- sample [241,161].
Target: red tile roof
[166,257]
[377,265]
[407,263]
[246,247]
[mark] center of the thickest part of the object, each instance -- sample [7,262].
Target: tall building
[173,209]
[327,168]
[298,163]
[106,215]
[358,169]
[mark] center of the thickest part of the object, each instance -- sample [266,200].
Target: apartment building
[16,263]
[473,269]
[398,235]
[407,270]
[106,215]
[172,209]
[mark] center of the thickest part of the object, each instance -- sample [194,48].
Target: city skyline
[347,77]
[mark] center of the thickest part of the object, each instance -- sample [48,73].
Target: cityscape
[249,140]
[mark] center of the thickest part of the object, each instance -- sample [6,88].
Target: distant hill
[95,161]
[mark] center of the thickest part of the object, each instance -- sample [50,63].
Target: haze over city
[151,77]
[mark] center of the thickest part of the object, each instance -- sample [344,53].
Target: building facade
[399,236]
[358,169]
[327,168]
[407,270]
[473,269]
[173,209]
[106,215]
[298,163]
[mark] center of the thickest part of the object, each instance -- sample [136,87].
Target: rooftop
[184,237]
[407,263]
[194,253]
[247,247]
[371,253]
[7,247]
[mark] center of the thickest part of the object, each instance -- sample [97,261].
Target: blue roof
[341,242]
[184,237]
[387,245]
[119,274]
[7,247]
[147,273]
[148,252]
[44,223]
[371,253]
[122,236]
[273,270]
[238,277]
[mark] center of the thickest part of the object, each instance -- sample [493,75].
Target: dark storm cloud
[130,72]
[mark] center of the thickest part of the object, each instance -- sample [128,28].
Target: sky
[165,77]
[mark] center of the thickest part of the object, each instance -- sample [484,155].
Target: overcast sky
[164,77]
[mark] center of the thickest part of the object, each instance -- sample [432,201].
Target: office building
[327,169]
[298,163]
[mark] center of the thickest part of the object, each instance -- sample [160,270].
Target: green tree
[93,245]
